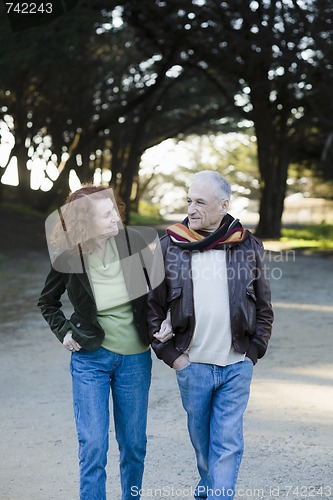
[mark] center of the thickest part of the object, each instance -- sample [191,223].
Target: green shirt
[114,310]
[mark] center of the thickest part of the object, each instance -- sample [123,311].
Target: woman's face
[105,218]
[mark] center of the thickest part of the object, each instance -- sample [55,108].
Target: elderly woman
[106,333]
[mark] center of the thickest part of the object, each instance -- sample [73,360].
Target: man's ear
[224,207]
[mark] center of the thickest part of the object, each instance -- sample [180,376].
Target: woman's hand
[165,332]
[70,343]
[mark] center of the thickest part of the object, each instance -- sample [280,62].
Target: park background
[139,95]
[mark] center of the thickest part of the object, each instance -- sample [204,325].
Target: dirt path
[288,425]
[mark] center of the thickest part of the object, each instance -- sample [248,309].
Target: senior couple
[209,318]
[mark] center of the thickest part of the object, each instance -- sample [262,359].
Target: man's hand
[165,332]
[70,343]
[181,361]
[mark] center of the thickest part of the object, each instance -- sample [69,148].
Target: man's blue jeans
[128,376]
[215,399]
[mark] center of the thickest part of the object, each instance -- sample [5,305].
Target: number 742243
[29,8]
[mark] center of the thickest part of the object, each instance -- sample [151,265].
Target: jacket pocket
[175,301]
[174,293]
[251,308]
[87,334]
[250,292]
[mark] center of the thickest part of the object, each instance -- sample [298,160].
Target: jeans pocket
[248,368]
[183,368]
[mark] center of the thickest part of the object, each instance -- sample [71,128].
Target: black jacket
[83,321]
[250,308]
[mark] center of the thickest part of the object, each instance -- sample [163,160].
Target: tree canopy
[270,62]
[107,80]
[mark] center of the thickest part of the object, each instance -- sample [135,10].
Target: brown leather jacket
[251,312]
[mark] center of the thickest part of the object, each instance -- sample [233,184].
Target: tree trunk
[20,151]
[270,211]
[132,169]
[274,173]
[273,159]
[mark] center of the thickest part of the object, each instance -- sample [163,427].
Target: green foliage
[137,219]
[3,258]
[310,232]
[23,209]
[149,209]
[316,236]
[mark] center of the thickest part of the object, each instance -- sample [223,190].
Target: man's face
[204,210]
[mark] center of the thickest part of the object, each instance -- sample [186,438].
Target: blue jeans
[215,398]
[128,376]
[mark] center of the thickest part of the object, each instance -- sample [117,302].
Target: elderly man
[217,297]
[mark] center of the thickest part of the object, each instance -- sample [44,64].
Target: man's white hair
[223,188]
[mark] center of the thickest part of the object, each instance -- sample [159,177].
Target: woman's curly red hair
[72,227]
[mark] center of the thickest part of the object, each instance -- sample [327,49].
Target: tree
[264,57]
[233,155]
[127,101]
[44,92]
[177,106]
[110,79]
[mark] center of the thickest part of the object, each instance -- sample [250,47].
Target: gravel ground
[288,424]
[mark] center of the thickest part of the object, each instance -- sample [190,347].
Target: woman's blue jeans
[215,398]
[128,377]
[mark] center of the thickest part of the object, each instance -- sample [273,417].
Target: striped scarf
[230,233]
